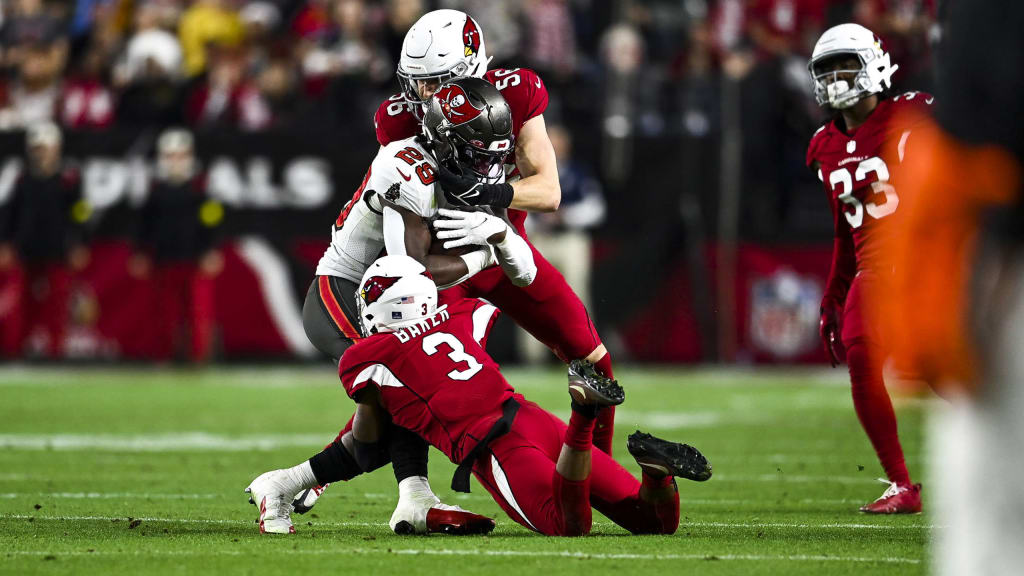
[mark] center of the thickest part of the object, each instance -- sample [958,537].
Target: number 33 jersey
[403,174]
[434,378]
[856,170]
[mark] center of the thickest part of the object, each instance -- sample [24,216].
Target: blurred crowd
[621,74]
[258,64]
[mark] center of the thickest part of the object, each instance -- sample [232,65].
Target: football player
[444,43]
[390,213]
[852,155]
[425,368]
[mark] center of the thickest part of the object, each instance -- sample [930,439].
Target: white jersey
[403,173]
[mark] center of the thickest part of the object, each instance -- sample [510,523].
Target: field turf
[141,471]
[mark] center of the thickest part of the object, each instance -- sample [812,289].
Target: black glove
[465,190]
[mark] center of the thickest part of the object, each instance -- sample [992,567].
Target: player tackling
[852,155]
[424,368]
[467,123]
[446,44]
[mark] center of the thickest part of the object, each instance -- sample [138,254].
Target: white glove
[460,228]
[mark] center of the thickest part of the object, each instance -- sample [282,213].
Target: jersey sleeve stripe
[483,317]
[334,309]
[378,373]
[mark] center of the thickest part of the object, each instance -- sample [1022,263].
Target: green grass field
[139,471]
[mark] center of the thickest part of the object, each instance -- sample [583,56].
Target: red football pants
[520,474]
[550,311]
[865,356]
[548,308]
[34,294]
[184,299]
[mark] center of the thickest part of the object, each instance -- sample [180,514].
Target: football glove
[828,329]
[460,228]
[464,190]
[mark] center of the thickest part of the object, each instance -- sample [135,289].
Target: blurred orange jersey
[945,186]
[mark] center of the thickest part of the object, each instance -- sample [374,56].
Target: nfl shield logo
[784,314]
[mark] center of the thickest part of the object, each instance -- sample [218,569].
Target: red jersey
[527,97]
[855,169]
[435,378]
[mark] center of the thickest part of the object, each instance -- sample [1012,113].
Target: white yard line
[171,442]
[108,495]
[386,496]
[682,524]
[476,552]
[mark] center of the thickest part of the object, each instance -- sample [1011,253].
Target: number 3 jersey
[855,168]
[434,378]
[402,173]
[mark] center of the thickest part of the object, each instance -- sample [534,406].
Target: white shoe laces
[891,491]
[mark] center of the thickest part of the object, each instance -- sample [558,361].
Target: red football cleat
[897,499]
[454,520]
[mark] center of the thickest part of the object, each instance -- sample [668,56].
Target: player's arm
[538,189]
[514,255]
[844,258]
[408,233]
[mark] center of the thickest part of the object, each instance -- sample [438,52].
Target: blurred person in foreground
[853,155]
[956,314]
[41,244]
[176,245]
[564,236]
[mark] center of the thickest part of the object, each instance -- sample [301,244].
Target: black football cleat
[661,457]
[589,388]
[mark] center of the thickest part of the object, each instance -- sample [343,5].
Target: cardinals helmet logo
[375,288]
[455,105]
[471,37]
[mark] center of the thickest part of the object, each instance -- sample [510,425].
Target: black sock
[583,410]
[408,453]
[333,464]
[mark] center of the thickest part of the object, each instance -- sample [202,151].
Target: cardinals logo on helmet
[375,288]
[471,37]
[455,104]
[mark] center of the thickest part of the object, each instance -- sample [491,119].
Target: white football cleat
[267,493]
[410,516]
[427,515]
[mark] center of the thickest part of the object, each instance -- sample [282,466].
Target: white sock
[416,488]
[301,477]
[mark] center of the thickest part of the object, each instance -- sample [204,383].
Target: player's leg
[650,506]
[170,293]
[540,472]
[14,302]
[550,311]
[55,311]
[274,492]
[329,317]
[201,314]
[865,357]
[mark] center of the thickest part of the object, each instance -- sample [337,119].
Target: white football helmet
[442,44]
[873,76]
[395,292]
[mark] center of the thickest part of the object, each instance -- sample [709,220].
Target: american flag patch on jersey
[408,300]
